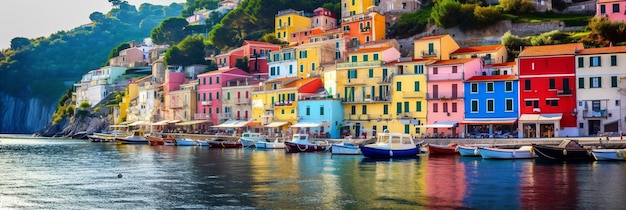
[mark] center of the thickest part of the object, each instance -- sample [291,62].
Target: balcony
[225,116]
[444,96]
[202,116]
[413,94]
[357,17]
[284,103]
[365,30]
[427,53]
[356,81]
[566,92]
[176,105]
[374,99]
[207,103]
[600,113]
[359,64]
[445,77]
[240,101]
[282,26]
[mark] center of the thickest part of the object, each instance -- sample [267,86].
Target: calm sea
[77,174]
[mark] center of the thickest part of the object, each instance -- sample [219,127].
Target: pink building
[445,95]
[323,19]
[210,95]
[130,57]
[615,10]
[256,53]
[303,37]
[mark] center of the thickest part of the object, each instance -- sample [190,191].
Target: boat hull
[609,154]
[132,140]
[469,151]
[441,149]
[291,147]
[185,142]
[548,152]
[389,153]
[493,153]
[345,149]
[247,142]
[225,144]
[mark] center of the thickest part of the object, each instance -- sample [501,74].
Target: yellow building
[353,7]
[183,102]
[125,106]
[364,85]
[311,57]
[290,21]
[437,47]
[490,54]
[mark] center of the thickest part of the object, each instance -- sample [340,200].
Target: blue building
[319,117]
[491,102]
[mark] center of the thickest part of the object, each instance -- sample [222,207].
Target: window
[364,109]
[375,57]
[217,80]
[602,9]
[552,102]
[508,105]
[490,103]
[204,81]
[508,86]
[474,106]
[301,67]
[551,84]
[353,110]
[406,106]
[617,102]
[581,62]
[615,8]
[365,57]
[282,111]
[613,60]
[385,109]
[526,84]
[398,107]
[322,110]
[435,107]
[435,70]
[353,58]
[371,73]
[445,106]
[290,69]
[417,86]
[595,82]
[351,73]
[312,66]
[489,87]
[581,125]
[536,104]
[418,106]
[454,107]
[308,111]
[581,83]
[418,69]
[210,80]
[613,81]
[398,86]
[228,96]
[217,95]
[474,87]
[454,69]
[595,61]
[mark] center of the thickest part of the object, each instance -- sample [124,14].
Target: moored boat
[203,143]
[185,142]
[468,151]
[154,140]
[443,149]
[524,152]
[136,138]
[300,143]
[567,150]
[609,154]
[220,143]
[249,139]
[276,144]
[345,148]
[391,145]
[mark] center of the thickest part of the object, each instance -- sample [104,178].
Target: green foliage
[513,43]
[242,64]
[486,15]
[116,51]
[195,5]
[548,38]
[517,6]
[445,13]
[170,31]
[84,105]
[604,32]
[410,24]
[188,52]
[18,43]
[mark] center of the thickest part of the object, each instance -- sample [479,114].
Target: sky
[36,18]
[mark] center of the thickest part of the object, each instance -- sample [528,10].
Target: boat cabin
[395,139]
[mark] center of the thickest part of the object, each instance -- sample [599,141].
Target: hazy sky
[35,18]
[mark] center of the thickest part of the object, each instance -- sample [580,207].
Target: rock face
[75,127]
[23,115]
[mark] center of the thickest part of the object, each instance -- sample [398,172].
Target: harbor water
[77,174]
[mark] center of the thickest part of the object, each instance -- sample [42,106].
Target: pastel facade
[363,28]
[435,47]
[255,52]
[139,109]
[237,99]
[489,53]
[491,102]
[409,97]
[209,98]
[131,57]
[319,117]
[303,37]
[398,6]
[323,19]
[547,91]
[446,95]
[614,10]
[97,84]
[282,63]
[599,76]
[353,7]
[289,21]
[311,57]
[183,102]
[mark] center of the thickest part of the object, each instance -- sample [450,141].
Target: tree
[190,51]
[242,63]
[604,32]
[170,31]
[97,17]
[18,43]
[512,42]
[445,13]
[486,15]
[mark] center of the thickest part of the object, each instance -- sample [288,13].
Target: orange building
[363,28]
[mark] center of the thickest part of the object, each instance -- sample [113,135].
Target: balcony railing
[602,113]
[444,95]
[366,100]
[356,81]
[359,64]
[445,77]
[239,101]
[427,53]
[207,103]
[202,116]
[413,94]
[365,30]
[564,92]
[225,116]
[284,103]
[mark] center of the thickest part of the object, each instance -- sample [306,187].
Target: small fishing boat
[276,144]
[136,138]
[345,148]
[391,145]
[157,140]
[609,154]
[220,143]
[106,136]
[185,142]
[249,139]
[567,150]
[524,152]
[202,143]
[443,149]
[300,143]
[468,151]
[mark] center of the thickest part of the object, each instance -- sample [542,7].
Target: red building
[547,91]
[256,52]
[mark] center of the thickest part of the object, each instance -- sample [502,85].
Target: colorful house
[600,77]
[446,95]
[183,102]
[353,7]
[489,53]
[547,93]
[364,85]
[410,94]
[436,47]
[289,21]
[323,19]
[491,102]
[254,52]
[398,6]
[303,37]
[363,28]
[237,100]
[614,10]
[209,98]
[311,57]
[282,63]
[97,84]
[319,117]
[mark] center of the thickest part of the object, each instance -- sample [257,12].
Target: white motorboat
[185,142]
[276,144]
[203,143]
[391,145]
[136,138]
[524,152]
[249,139]
[609,154]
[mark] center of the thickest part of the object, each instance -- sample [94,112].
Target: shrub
[445,13]
[486,15]
[512,42]
[84,105]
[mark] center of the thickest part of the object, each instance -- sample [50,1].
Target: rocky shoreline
[75,128]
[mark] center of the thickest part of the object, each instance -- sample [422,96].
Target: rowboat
[300,143]
[391,145]
[249,139]
[276,144]
[185,142]
[345,148]
[136,138]
[220,143]
[567,150]
[524,152]
[609,154]
[469,151]
[442,149]
[154,140]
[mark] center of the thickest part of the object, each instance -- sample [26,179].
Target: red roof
[548,50]
[300,82]
[602,50]
[454,61]
[221,71]
[503,64]
[246,42]
[475,49]
[432,37]
[372,49]
[492,78]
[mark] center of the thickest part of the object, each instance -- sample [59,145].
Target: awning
[309,124]
[275,124]
[541,117]
[347,124]
[253,124]
[159,123]
[232,124]
[193,122]
[138,123]
[440,124]
[489,121]
[174,121]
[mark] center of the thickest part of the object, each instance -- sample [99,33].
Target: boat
[391,145]
[609,154]
[220,143]
[524,152]
[347,147]
[443,149]
[300,143]
[468,151]
[106,136]
[249,139]
[136,138]
[155,140]
[185,142]
[567,150]
[202,143]
[276,144]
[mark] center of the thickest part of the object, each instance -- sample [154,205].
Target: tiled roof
[299,82]
[608,1]
[474,49]
[256,42]
[372,49]
[603,50]
[414,60]
[432,37]
[503,64]
[492,78]
[548,50]
[454,61]
[219,71]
